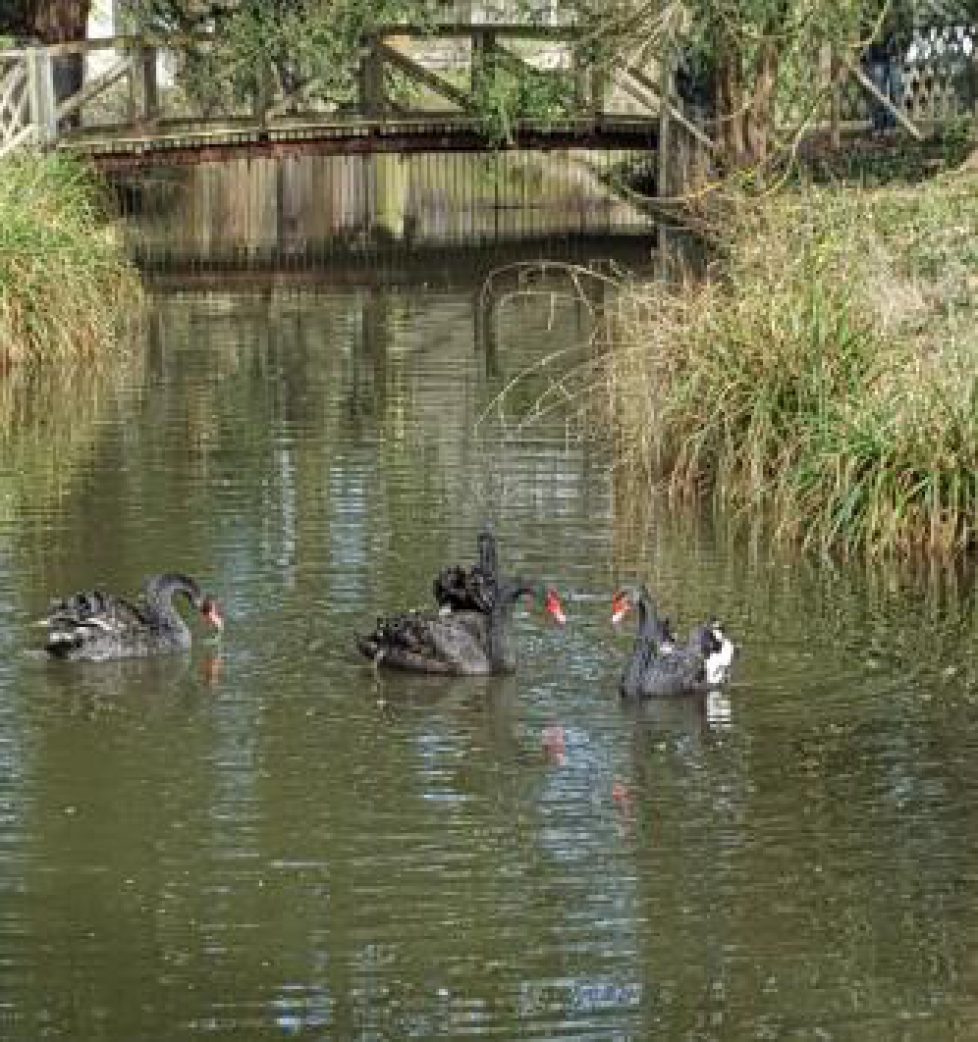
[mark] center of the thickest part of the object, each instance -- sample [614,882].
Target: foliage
[758,65]
[902,160]
[307,46]
[507,92]
[828,381]
[236,52]
[65,285]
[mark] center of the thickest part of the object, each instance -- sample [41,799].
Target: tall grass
[65,285]
[827,380]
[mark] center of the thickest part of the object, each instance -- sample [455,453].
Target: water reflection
[267,837]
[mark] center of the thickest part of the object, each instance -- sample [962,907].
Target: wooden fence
[125,93]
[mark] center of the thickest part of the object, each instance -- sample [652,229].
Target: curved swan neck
[497,630]
[160,591]
[651,627]
[488,559]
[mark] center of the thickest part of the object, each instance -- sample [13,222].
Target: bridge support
[391,185]
[372,100]
[40,86]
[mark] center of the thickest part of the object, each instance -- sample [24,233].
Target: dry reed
[827,380]
[65,284]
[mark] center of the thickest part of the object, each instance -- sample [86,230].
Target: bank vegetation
[825,377]
[66,287]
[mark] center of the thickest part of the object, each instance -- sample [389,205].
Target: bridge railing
[133,83]
[45,91]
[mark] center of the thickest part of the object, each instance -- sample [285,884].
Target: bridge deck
[181,145]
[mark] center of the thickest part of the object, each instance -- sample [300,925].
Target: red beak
[212,613]
[621,605]
[555,608]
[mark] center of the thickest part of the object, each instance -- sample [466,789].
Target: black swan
[94,626]
[659,666]
[470,589]
[467,642]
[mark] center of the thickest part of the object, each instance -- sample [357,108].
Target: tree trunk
[56,21]
[730,110]
[761,112]
[745,105]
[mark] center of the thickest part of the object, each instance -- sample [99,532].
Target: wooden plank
[631,127]
[500,29]
[867,84]
[431,80]
[41,89]
[676,114]
[22,136]
[405,137]
[638,92]
[115,72]
[129,41]
[11,83]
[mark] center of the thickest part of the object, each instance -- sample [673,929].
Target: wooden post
[40,79]
[391,180]
[579,71]
[599,85]
[263,93]
[132,83]
[372,100]
[484,57]
[835,102]
[663,188]
[151,94]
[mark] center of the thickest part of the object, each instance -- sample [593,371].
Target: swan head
[651,626]
[211,613]
[535,593]
[621,605]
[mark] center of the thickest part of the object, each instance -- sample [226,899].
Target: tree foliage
[311,47]
[759,65]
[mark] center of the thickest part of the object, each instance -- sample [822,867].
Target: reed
[827,379]
[65,284]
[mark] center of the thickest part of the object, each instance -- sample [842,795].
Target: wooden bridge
[125,118]
[281,174]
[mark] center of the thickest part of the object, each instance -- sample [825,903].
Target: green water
[265,839]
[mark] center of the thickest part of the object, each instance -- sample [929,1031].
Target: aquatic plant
[826,379]
[65,283]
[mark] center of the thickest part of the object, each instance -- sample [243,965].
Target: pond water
[266,839]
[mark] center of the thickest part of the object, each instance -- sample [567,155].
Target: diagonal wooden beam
[115,72]
[654,89]
[867,84]
[23,135]
[418,72]
[14,79]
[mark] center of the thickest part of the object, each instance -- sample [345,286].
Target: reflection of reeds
[48,418]
[65,285]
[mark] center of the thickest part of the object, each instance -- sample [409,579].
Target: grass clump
[65,284]
[827,380]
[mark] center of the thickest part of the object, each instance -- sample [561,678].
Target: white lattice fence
[15,122]
[937,75]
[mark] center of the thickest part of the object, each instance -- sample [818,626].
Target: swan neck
[160,591]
